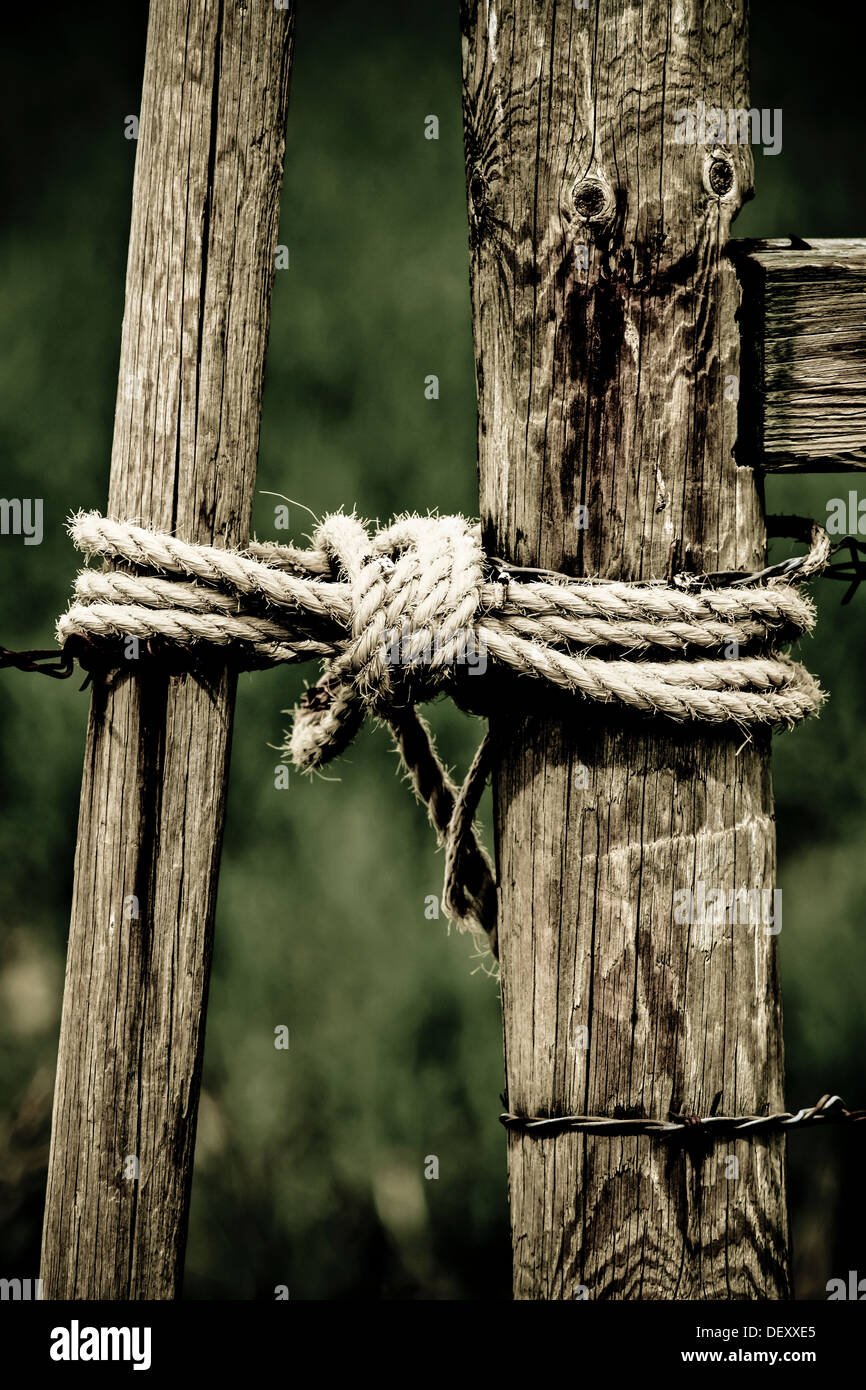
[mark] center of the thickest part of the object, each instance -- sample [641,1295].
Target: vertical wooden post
[607,358]
[201,260]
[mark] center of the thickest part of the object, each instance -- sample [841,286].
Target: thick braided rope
[395,614]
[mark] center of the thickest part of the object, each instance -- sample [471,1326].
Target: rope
[398,614]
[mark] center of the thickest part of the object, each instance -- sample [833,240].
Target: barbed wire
[829,1110]
[46,662]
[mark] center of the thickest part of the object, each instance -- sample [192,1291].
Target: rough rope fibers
[396,612]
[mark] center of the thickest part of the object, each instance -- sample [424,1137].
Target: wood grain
[804,361]
[201,260]
[604,316]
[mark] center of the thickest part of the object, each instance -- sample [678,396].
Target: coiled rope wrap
[395,612]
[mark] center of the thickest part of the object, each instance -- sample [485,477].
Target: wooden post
[201,261]
[607,358]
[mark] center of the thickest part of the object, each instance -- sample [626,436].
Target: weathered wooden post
[201,260]
[607,355]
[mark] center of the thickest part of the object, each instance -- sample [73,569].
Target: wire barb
[51,662]
[853,570]
[829,1110]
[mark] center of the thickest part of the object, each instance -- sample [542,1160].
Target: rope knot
[415,591]
[393,612]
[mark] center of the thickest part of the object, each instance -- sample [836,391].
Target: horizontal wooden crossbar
[803,366]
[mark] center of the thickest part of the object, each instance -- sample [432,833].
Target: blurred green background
[310,1163]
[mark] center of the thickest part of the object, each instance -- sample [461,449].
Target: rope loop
[394,613]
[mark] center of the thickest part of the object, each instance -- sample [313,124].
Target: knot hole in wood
[720,179]
[593,201]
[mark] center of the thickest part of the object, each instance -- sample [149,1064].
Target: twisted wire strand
[828,1110]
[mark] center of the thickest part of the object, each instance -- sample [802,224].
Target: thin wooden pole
[607,360]
[201,261]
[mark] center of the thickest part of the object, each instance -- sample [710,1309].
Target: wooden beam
[604,317]
[803,389]
[201,261]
